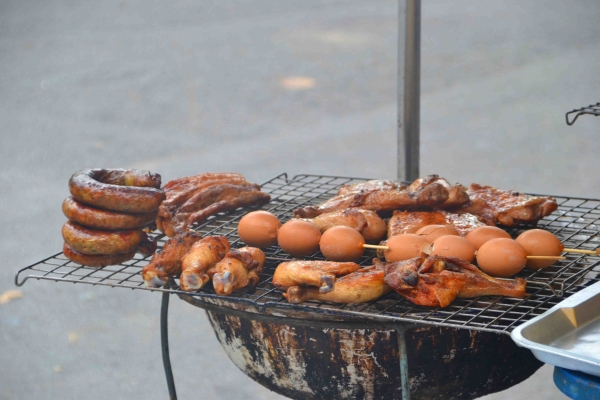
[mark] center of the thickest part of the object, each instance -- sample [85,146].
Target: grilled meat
[197,266]
[193,199]
[367,222]
[410,222]
[370,186]
[238,269]
[495,206]
[426,196]
[361,286]
[321,274]
[167,262]
[436,281]
[457,194]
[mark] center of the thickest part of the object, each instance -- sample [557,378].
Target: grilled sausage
[131,190]
[100,260]
[93,242]
[103,219]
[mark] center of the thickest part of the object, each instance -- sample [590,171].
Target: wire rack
[592,109]
[575,223]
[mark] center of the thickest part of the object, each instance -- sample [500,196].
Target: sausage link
[93,242]
[100,260]
[102,219]
[132,191]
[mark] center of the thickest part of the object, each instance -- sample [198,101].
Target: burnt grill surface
[575,222]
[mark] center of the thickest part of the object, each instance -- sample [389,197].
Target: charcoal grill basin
[334,359]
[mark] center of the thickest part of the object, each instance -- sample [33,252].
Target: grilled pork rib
[436,281]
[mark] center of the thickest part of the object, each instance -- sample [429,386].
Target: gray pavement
[184,87]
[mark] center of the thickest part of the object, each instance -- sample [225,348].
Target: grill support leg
[400,334]
[164,341]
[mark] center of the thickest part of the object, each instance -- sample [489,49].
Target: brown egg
[432,232]
[299,238]
[404,247]
[259,229]
[479,236]
[538,242]
[342,243]
[454,246]
[501,257]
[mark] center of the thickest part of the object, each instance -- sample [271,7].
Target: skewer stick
[545,258]
[593,252]
[374,246]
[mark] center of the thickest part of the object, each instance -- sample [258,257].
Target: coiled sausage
[103,219]
[131,191]
[100,260]
[93,242]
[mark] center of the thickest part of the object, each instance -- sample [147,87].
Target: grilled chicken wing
[506,207]
[361,286]
[436,281]
[428,196]
[238,269]
[410,222]
[367,222]
[197,266]
[167,262]
[321,274]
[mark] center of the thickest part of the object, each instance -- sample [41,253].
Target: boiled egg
[501,257]
[342,243]
[259,229]
[479,236]
[453,246]
[538,242]
[404,247]
[299,238]
[432,232]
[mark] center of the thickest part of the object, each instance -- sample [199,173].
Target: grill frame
[575,223]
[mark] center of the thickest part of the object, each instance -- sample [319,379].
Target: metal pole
[164,341]
[409,87]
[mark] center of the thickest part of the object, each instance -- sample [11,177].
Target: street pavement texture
[182,87]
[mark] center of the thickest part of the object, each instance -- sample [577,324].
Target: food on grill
[364,285]
[321,274]
[506,207]
[404,247]
[457,194]
[410,222]
[96,218]
[453,246]
[193,199]
[432,232]
[427,195]
[342,243]
[167,262]
[501,257]
[538,242]
[367,222]
[198,264]
[238,269]
[123,190]
[436,281]
[93,242]
[99,260]
[479,236]
[259,229]
[370,186]
[299,238]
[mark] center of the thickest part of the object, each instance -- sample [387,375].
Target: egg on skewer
[299,238]
[432,232]
[342,243]
[479,236]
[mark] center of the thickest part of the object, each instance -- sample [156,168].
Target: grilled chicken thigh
[238,269]
[197,266]
[321,274]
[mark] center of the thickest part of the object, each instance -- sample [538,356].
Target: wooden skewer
[374,246]
[594,252]
[545,258]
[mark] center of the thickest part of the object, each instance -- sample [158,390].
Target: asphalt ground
[184,87]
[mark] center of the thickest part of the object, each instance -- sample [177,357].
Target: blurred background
[182,87]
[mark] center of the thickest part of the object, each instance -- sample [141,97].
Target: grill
[575,223]
[592,109]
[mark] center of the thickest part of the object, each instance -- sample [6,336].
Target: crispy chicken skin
[495,206]
[238,269]
[436,281]
[321,274]
[197,266]
[409,222]
[167,262]
[193,199]
[426,197]
[367,222]
[364,285]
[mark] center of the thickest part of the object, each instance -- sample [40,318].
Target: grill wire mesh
[575,223]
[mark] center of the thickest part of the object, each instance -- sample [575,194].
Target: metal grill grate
[575,223]
[592,109]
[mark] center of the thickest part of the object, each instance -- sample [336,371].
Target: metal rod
[404,379]
[164,341]
[409,87]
